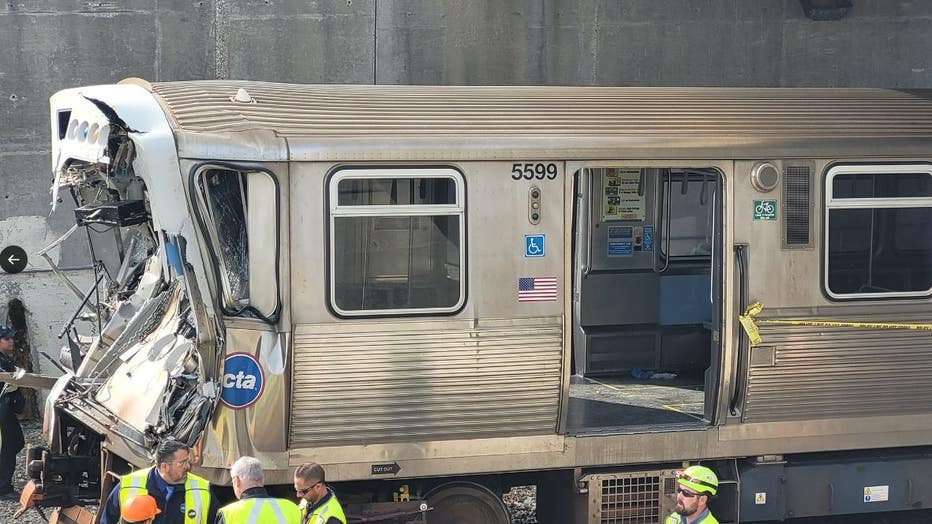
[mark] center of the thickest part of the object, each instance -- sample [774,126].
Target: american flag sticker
[537,289]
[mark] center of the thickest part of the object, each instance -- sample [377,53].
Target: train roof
[395,122]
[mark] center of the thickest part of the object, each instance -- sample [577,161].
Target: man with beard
[318,504]
[694,487]
[181,497]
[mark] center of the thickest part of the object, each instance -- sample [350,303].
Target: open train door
[647,299]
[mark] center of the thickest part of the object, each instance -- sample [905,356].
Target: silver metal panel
[258,430]
[821,373]
[485,455]
[496,223]
[459,123]
[374,382]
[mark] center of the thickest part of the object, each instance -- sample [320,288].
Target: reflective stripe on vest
[261,509]
[196,493]
[331,509]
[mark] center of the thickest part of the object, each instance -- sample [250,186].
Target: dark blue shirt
[699,517]
[172,507]
[12,401]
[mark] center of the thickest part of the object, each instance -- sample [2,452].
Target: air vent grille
[798,196]
[631,500]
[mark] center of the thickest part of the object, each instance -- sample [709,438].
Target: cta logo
[243,381]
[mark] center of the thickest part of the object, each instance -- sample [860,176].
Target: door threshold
[698,425]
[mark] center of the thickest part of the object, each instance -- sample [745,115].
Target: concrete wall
[53,44]
[49,305]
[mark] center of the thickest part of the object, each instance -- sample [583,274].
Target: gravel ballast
[32,430]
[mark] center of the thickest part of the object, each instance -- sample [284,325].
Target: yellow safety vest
[676,518]
[196,494]
[257,510]
[332,509]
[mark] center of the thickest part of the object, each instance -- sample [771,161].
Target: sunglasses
[687,494]
[304,491]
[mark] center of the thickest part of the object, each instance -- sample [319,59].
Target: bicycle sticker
[765,210]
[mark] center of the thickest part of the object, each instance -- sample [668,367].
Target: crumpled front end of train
[139,354]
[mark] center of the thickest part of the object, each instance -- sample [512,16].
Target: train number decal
[532,170]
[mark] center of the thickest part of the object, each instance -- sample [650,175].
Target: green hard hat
[700,479]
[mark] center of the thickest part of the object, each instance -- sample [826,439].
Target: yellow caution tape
[749,323]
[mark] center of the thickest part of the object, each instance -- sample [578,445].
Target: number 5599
[532,170]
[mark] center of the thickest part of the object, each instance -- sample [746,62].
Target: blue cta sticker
[243,381]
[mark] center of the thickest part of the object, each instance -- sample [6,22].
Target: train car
[439,293]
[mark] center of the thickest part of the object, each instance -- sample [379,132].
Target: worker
[695,486]
[11,405]
[254,505]
[140,509]
[318,503]
[181,497]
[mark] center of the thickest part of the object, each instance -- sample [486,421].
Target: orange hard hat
[139,508]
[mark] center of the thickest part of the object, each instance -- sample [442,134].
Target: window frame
[715,182]
[336,210]
[833,203]
[202,216]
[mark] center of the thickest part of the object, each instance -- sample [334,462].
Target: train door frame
[581,194]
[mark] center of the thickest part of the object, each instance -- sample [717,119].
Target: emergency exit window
[396,241]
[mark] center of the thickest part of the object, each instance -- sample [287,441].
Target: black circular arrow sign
[13,259]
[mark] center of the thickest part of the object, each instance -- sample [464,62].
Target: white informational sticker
[620,195]
[760,497]
[876,493]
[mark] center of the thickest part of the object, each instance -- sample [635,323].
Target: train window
[395,191]
[877,223]
[243,238]
[688,198]
[396,241]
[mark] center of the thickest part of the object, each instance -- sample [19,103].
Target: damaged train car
[151,372]
[439,293]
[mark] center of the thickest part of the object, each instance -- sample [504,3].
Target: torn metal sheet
[149,372]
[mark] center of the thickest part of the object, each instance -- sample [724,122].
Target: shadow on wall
[16,319]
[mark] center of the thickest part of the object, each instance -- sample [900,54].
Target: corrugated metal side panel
[505,111]
[368,383]
[841,372]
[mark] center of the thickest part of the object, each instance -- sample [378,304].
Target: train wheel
[465,503]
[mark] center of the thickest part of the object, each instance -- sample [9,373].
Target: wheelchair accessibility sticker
[533,245]
[243,381]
